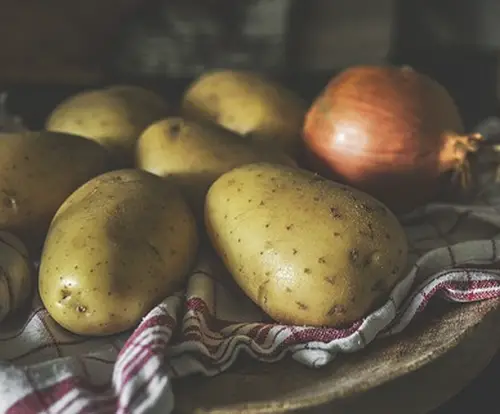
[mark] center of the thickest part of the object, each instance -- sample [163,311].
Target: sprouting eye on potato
[250,105]
[307,250]
[16,275]
[118,245]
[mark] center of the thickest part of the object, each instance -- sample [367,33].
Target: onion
[391,132]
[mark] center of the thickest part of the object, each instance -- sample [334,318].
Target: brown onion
[389,131]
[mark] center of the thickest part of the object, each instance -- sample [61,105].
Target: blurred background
[54,48]
[50,49]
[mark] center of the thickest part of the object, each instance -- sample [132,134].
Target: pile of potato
[118,193]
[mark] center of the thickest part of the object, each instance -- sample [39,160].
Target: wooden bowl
[413,372]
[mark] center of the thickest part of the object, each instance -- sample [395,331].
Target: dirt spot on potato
[262,292]
[367,261]
[65,294]
[368,208]
[368,232]
[174,130]
[302,306]
[330,280]
[335,213]
[213,99]
[337,309]
[81,309]
[354,255]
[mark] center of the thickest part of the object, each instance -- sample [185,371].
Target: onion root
[455,156]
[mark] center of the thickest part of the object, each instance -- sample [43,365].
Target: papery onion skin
[389,131]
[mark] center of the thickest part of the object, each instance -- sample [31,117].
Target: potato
[118,245]
[39,170]
[140,96]
[114,117]
[307,250]
[194,154]
[16,274]
[248,104]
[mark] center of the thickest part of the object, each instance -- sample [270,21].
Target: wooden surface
[479,396]
[414,372]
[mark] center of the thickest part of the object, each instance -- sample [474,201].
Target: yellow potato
[114,117]
[307,250]
[140,96]
[194,154]
[119,245]
[39,170]
[250,105]
[16,274]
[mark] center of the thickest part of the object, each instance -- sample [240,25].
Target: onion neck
[455,152]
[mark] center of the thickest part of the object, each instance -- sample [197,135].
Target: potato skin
[307,250]
[194,154]
[39,170]
[249,104]
[140,96]
[119,245]
[16,274]
[114,117]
